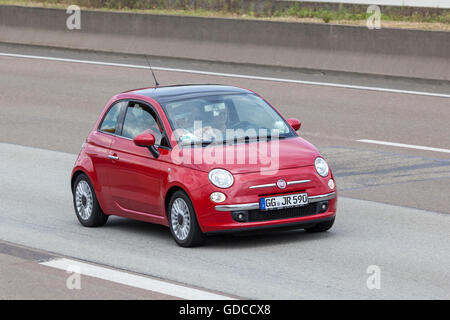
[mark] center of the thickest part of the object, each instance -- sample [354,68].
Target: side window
[109,123]
[138,119]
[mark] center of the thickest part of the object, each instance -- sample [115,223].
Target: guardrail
[393,52]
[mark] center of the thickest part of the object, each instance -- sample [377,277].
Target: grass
[391,16]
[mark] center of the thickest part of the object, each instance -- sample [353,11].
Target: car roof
[164,94]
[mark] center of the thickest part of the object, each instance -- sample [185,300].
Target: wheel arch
[97,189]
[168,196]
[75,175]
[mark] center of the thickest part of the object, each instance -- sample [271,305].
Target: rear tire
[86,205]
[321,227]
[183,222]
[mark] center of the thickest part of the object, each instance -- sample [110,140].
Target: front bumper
[283,226]
[244,196]
[227,219]
[255,205]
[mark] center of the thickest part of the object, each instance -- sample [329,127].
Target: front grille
[259,215]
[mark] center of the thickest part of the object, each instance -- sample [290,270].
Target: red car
[201,159]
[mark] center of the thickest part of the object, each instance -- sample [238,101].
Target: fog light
[322,206]
[240,216]
[331,184]
[217,197]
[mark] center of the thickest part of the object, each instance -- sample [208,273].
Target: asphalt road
[409,246]
[393,210]
[53,105]
[23,277]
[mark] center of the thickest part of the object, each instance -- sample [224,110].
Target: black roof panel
[172,93]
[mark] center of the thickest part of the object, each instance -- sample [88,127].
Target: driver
[184,122]
[216,130]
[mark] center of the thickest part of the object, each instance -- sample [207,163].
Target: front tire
[183,222]
[86,205]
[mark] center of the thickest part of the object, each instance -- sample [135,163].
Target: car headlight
[321,167]
[221,178]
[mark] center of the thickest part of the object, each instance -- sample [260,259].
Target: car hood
[249,157]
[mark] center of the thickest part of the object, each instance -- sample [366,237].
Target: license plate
[289,200]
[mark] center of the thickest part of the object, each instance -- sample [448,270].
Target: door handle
[110,156]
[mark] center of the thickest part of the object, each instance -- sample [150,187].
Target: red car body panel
[138,185]
[288,157]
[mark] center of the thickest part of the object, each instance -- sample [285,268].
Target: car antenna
[151,69]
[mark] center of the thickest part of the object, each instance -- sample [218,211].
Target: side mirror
[146,139]
[294,123]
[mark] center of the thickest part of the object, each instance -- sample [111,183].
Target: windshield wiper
[279,137]
[205,143]
[252,139]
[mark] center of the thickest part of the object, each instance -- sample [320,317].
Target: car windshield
[225,119]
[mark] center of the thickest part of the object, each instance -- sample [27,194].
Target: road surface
[393,209]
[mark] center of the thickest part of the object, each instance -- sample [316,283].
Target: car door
[98,144]
[137,175]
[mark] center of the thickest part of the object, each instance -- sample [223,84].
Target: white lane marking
[401,145]
[135,280]
[231,75]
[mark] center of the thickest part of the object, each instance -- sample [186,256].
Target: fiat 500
[201,159]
